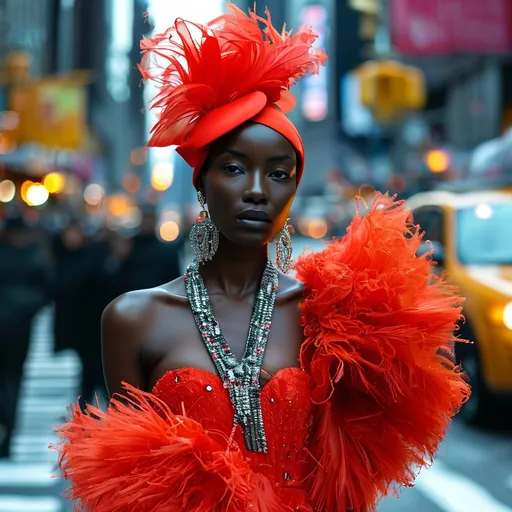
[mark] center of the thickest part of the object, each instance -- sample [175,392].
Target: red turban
[213,78]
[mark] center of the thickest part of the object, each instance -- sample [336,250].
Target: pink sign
[420,27]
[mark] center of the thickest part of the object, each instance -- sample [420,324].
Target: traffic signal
[388,89]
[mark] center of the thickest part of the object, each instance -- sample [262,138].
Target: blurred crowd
[79,274]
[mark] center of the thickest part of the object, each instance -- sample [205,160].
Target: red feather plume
[140,457]
[201,67]
[378,326]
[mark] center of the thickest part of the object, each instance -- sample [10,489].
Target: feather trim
[377,323]
[139,456]
[201,67]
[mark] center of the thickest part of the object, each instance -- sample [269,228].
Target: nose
[255,190]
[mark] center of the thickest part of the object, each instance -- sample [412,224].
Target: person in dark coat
[79,302]
[150,262]
[24,283]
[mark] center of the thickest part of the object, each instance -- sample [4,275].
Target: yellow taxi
[471,234]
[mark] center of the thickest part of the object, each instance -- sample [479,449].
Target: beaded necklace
[241,378]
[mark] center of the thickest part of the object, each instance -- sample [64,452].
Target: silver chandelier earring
[284,248]
[204,236]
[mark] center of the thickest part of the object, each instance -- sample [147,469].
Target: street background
[416,99]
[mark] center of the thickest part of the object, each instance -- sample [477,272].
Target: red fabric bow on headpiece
[215,77]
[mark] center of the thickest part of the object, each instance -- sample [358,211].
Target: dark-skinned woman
[237,387]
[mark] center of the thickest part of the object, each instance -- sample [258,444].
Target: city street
[473,472]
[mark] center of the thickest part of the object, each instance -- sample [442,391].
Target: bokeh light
[317,228]
[24,189]
[54,182]
[120,205]
[162,176]
[138,156]
[437,161]
[131,183]
[36,194]
[169,231]
[483,211]
[94,194]
[7,191]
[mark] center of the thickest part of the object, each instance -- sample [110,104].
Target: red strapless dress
[369,404]
[287,413]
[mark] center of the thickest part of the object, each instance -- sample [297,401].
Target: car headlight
[507,316]
[501,315]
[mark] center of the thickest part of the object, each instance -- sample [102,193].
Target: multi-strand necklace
[241,378]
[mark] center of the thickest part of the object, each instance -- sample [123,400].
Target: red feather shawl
[377,323]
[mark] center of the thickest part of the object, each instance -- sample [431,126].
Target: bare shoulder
[132,307]
[129,309]
[290,289]
[135,309]
[131,325]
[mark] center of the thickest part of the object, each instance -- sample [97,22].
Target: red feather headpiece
[215,77]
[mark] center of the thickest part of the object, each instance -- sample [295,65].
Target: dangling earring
[204,236]
[284,248]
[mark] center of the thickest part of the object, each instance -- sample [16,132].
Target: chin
[249,237]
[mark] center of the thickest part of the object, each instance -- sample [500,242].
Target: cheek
[283,214]
[220,198]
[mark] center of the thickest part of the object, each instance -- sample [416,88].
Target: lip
[254,216]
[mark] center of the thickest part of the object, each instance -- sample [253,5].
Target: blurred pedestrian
[24,283]
[78,293]
[150,262]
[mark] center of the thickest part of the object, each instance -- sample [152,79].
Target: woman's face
[250,184]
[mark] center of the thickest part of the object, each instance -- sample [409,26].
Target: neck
[234,270]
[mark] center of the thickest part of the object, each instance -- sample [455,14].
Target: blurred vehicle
[467,232]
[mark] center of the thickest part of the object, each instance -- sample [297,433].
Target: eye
[232,169]
[280,174]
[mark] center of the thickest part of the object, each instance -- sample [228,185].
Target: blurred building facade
[101,37]
[29,26]
[462,50]
[463,47]
[105,38]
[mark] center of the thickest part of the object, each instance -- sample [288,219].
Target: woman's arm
[122,333]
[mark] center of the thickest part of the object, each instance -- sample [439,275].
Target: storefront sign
[420,27]
[51,113]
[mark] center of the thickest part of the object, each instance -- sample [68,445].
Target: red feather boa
[376,321]
[135,459]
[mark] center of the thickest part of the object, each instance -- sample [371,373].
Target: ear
[200,185]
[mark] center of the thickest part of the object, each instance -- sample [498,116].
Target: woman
[237,387]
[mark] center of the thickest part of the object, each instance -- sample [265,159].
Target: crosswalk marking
[50,383]
[13,474]
[10,503]
[452,492]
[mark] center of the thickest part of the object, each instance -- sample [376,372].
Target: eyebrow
[276,158]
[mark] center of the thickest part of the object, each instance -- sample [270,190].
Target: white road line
[508,482]
[49,385]
[32,504]
[20,475]
[452,492]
